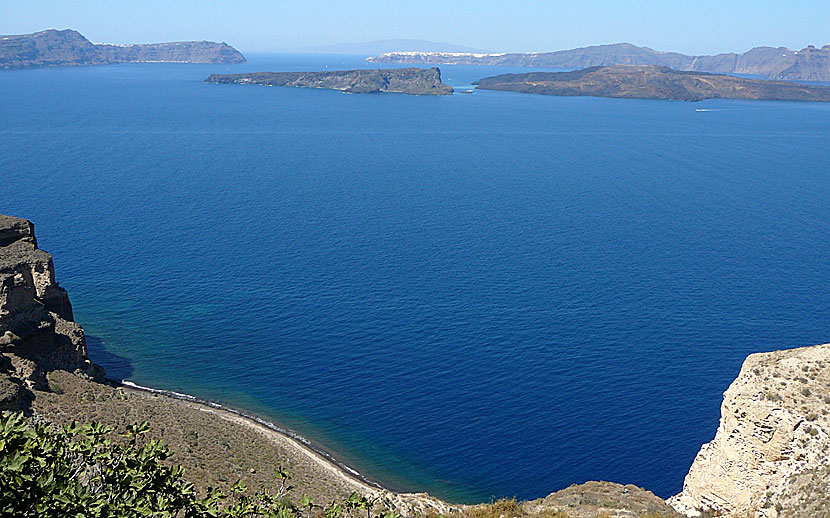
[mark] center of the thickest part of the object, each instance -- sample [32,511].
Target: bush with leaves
[83,471]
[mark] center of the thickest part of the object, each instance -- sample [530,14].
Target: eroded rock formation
[37,329]
[771,454]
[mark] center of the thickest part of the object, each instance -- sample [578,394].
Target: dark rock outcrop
[413,81]
[808,64]
[69,48]
[37,330]
[653,82]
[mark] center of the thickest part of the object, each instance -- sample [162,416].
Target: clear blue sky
[701,26]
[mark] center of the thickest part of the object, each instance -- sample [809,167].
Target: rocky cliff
[653,82]
[808,64]
[37,330]
[771,454]
[69,48]
[412,81]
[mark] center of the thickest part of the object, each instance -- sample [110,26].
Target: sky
[692,27]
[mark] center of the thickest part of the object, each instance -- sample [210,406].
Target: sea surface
[494,294]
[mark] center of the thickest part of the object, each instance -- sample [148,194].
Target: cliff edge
[37,330]
[771,454]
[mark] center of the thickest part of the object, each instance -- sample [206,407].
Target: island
[53,48]
[412,81]
[653,82]
[807,64]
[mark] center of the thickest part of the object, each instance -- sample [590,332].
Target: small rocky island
[412,81]
[653,82]
[52,48]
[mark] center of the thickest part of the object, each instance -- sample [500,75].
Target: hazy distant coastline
[808,64]
[383,46]
[52,48]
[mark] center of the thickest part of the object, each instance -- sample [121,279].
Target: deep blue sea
[480,295]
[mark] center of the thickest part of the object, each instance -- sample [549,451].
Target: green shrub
[501,508]
[85,471]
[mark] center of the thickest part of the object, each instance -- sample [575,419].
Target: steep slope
[771,454]
[51,48]
[37,331]
[810,64]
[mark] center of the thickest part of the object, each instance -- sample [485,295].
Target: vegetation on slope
[88,471]
[216,451]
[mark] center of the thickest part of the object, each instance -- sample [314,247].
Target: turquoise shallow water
[475,295]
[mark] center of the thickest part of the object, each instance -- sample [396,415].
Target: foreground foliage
[87,471]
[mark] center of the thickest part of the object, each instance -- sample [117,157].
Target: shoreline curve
[314,451]
[303,446]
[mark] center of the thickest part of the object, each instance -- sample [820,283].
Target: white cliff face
[771,454]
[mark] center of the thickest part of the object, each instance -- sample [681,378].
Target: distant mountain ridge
[808,64]
[70,48]
[394,45]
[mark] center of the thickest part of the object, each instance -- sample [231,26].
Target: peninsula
[807,64]
[653,82]
[412,81]
[53,48]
